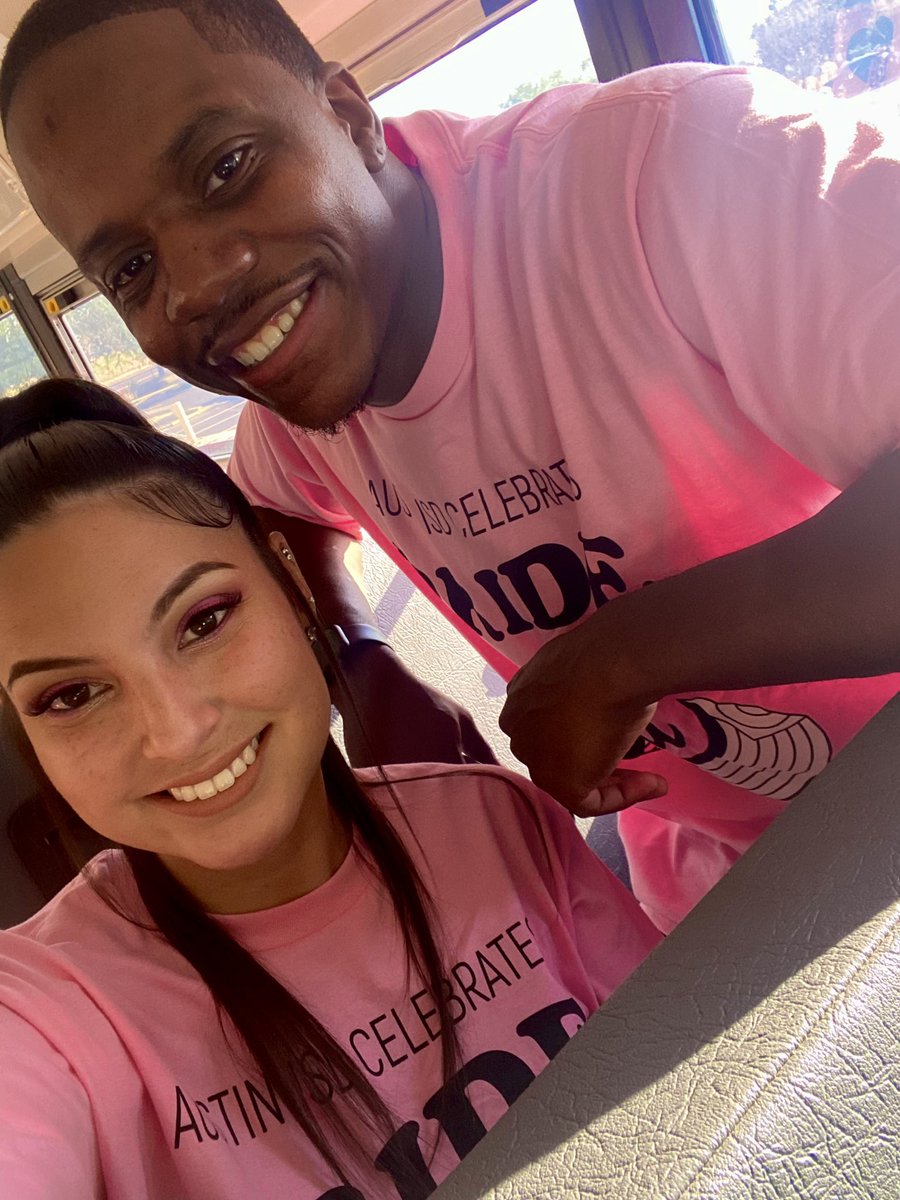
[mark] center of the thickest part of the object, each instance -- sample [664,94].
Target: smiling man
[630,333]
[228,208]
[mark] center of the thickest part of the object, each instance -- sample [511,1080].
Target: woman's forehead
[101,558]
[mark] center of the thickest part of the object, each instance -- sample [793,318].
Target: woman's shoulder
[470,803]
[62,974]
[94,920]
[78,907]
[455,783]
[62,964]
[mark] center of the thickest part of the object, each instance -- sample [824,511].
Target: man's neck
[413,319]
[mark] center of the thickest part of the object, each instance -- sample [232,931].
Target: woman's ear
[278,543]
[313,630]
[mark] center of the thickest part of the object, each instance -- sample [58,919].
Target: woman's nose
[178,721]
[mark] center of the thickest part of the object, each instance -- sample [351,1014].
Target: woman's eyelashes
[205,620]
[65,698]
[201,624]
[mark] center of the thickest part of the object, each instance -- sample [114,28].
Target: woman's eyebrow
[180,584]
[28,666]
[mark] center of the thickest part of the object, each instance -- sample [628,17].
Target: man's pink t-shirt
[669,331]
[118,1083]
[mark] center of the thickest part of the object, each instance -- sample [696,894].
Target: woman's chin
[242,854]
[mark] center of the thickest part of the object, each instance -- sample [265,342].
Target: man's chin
[332,428]
[312,418]
[317,414]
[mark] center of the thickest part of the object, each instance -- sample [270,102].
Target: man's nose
[203,271]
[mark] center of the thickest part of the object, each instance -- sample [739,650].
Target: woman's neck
[302,862]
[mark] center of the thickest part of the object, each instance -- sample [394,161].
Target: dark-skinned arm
[389,715]
[331,562]
[820,601]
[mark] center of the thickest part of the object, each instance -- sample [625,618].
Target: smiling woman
[372,944]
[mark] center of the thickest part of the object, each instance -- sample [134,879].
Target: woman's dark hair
[62,439]
[227,26]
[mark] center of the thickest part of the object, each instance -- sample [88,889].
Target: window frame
[629,35]
[38,327]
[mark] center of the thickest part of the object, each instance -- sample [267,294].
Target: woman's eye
[129,271]
[77,695]
[225,169]
[202,624]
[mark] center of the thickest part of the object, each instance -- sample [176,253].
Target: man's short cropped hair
[259,27]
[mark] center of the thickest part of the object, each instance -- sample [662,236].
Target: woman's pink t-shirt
[117,1082]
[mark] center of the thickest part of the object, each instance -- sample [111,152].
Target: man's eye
[129,271]
[225,169]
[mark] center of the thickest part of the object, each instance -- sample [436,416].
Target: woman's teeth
[270,337]
[207,788]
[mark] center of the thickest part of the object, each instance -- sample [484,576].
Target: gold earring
[312,635]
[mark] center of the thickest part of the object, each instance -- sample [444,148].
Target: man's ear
[278,543]
[350,105]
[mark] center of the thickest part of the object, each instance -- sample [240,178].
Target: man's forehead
[139,71]
[102,47]
[112,100]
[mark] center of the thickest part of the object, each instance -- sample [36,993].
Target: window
[19,363]
[176,408]
[844,47]
[539,47]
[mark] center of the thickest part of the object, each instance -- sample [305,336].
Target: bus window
[540,47]
[19,364]
[847,49]
[116,360]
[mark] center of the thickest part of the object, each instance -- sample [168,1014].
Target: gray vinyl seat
[756,1054]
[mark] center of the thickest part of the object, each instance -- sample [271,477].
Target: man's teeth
[270,337]
[207,788]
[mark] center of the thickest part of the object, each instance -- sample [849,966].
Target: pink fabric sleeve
[610,933]
[270,467]
[770,219]
[47,1143]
